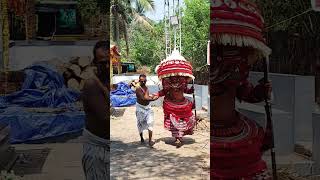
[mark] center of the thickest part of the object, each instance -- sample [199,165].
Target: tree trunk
[30,19]
[5,39]
[108,25]
[1,44]
[117,25]
[5,33]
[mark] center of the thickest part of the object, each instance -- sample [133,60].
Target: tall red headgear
[174,65]
[238,23]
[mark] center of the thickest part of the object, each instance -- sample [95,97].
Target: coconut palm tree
[124,12]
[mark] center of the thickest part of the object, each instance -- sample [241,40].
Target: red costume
[175,73]
[237,143]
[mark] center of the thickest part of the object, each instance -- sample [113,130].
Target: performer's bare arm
[160,93]
[248,93]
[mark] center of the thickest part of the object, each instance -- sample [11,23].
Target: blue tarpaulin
[43,87]
[123,96]
[29,126]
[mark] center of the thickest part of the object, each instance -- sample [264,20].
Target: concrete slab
[294,162]
[63,161]
[282,123]
[316,143]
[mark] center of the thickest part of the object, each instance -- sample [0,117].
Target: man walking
[144,112]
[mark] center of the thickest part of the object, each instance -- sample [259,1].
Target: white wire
[308,10]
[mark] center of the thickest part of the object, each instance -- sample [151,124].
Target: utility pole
[172,25]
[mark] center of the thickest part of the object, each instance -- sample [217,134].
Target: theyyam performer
[237,43]
[175,72]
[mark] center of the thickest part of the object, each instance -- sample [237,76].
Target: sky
[158,14]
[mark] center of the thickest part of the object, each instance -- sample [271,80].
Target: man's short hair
[142,75]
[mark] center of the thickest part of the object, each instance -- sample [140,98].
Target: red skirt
[239,156]
[178,117]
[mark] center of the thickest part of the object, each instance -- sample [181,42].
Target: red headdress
[174,65]
[238,23]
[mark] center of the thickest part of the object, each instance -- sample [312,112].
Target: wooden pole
[269,122]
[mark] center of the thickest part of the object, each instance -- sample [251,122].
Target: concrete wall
[294,94]
[23,56]
[316,144]
[202,92]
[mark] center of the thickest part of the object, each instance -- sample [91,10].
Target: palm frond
[148,5]
[142,20]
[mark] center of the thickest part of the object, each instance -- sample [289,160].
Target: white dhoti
[145,117]
[96,157]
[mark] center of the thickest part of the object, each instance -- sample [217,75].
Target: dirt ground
[131,160]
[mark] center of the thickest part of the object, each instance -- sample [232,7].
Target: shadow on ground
[171,140]
[136,161]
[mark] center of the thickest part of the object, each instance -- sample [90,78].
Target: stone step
[4,134]
[292,162]
[7,159]
[117,111]
[304,148]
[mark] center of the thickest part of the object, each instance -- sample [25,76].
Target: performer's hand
[191,90]
[268,89]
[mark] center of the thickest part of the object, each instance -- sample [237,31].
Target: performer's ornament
[237,42]
[175,72]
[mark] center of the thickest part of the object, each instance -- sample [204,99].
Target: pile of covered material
[43,108]
[43,87]
[122,96]
[75,70]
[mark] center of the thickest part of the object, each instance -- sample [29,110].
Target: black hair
[103,72]
[142,75]
[100,44]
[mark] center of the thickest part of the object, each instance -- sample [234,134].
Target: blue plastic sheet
[43,87]
[123,96]
[29,126]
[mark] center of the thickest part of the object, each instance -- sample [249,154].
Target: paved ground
[62,163]
[130,160]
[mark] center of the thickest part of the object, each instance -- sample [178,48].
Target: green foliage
[147,46]
[276,14]
[195,31]
[88,9]
[126,12]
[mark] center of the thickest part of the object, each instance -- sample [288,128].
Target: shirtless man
[96,103]
[144,112]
